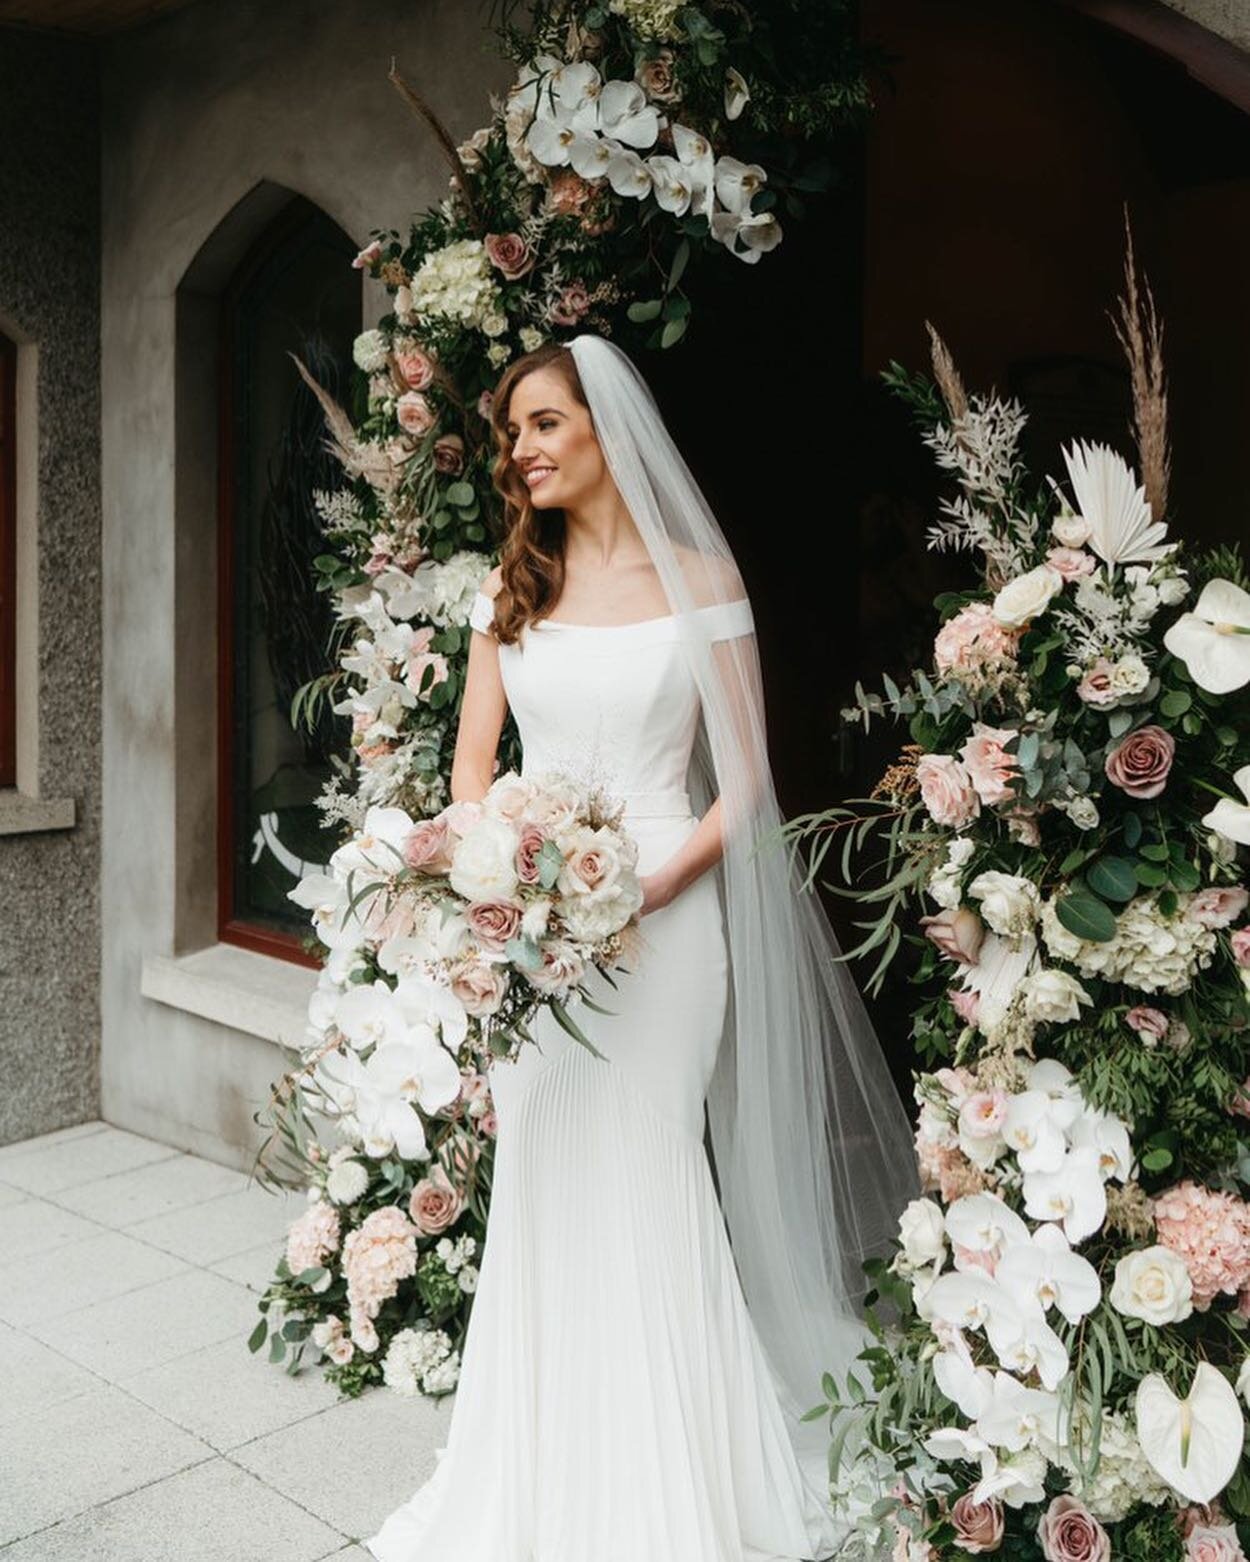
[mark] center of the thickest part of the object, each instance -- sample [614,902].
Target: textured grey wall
[1229,18]
[49,297]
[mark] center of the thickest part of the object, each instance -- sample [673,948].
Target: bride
[641,1352]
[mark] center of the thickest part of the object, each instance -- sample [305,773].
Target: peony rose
[483,863]
[1141,763]
[509,797]
[416,416]
[990,766]
[947,791]
[1069,1532]
[957,933]
[434,1203]
[510,254]
[416,368]
[1217,907]
[922,1232]
[479,986]
[1150,1024]
[1153,1284]
[1028,596]
[978,1525]
[1071,563]
[493,922]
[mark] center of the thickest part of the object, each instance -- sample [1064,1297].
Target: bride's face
[554,446]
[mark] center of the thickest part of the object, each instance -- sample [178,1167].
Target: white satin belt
[674,802]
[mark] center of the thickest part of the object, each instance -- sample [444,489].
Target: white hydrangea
[467,1279]
[444,1377]
[347,1182]
[1123,1477]
[1151,952]
[413,1357]
[457,283]
[648,18]
[370,351]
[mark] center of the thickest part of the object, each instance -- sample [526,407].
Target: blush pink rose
[978,1525]
[493,922]
[528,847]
[1201,1515]
[1217,907]
[1098,687]
[946,790]
[434,1203]
[480,987]
[416,416]
[427,848]
[489,1124]
[1071,563]
[416,367]
[957,933]
[510,254]
[484,404]
[1150,1024]
[459,818]
[1069,1532]
[1141,764]
[966,1004]
[1239,943]
[990,766]
[368,255]
[1211,1543]
[561,968]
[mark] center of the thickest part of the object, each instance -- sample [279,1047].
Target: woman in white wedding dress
[616,1402]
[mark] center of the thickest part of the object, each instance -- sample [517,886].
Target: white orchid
[1213,640]
[434,1006]
[758,231]
[378,850]
[673,183]
[1016,1417]
[986,1224]
[379,1095]
[960,1379]
[1023,1341]
[1110,500]
[626,116]
[1108,1134]
[737,93]
[963,1298]
[1016,1480]
[1195,1443]
[1073,1193]
[694,152]
[1230,818]
[1046,1270]
[326,897]
[1031,1129]
[369,1015]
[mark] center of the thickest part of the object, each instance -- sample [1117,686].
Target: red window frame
[8,561]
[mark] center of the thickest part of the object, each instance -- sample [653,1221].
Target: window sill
[21,814]
[249,992]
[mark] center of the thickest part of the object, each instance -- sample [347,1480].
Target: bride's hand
[657,891]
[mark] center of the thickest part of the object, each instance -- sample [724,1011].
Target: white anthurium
[1023,1341]
[326,897]
[1015,1416]
[737,93]
[995,977]
[626,116]
[378,848]
[1230,818]
[1108,1134]
[1074,1194]
[433,1004]
[370,1015]
[694,150]
[1029,1128]
[1046,1270]
[672,182]
[1213,639]
[985,1223]
[1194,1443]
[1122,527]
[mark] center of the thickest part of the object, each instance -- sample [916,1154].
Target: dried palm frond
[1140,333]
[359,458]
[423,110]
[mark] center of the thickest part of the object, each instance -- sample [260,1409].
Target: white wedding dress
[614,1401]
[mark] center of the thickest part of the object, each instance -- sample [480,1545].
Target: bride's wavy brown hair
[531,555]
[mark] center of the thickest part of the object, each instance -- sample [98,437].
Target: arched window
[8,562]
[295,291]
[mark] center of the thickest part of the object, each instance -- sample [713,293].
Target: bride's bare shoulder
[490,586]
[710,577]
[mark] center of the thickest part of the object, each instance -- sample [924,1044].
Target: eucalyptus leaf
[1085,915]
[1114,878]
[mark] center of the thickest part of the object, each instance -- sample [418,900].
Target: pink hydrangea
[1210,1232]
[313,1236]
[973,641]
[380,1253]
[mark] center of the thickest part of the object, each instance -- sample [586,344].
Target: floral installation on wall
[1070,1369]
[639,142]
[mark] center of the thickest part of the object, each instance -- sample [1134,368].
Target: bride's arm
[482,711]
[699,852]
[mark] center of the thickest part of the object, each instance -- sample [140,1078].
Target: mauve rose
[946,790]
[1069,1532]
[957,933]
[978,1525]
[1240,1104]
[416,368]
[510,254]
[1140,765]
[572,304]
[493,922]
[449,454]
[1201,1515]
[480,987]
[656,78]
[427,847]
[488,1124]
[434,1203]
[1217,907]
[1150,1024]
[531,843]
[416,416]
[1239,943]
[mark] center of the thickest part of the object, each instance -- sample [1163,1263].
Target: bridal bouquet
[1069,819]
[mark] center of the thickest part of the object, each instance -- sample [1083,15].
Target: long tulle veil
[812,1145]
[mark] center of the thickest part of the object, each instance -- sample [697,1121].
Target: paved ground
[135,1424]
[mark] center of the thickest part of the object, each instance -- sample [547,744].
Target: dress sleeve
[724,620]
[482,613]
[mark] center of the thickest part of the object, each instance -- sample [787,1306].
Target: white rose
[922,1232]
[1027,596]
[1009,904]
[960,851]
[1053,995]
[1070,531]
[1129,675]
[483,866]
[1083,812]
[1173,589]
[347,1182]
[1153,1284]
[495,323]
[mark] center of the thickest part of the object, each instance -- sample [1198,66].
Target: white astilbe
[981,447]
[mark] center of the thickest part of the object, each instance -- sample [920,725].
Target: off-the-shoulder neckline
[637,623]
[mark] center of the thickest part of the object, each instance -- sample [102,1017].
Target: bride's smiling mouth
[536,474]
